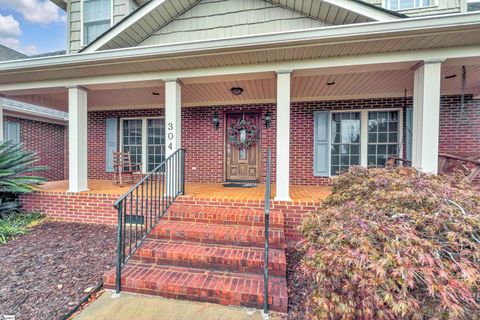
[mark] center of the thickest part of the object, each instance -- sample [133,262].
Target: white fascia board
[363,31]
[363,10]
[124,25]
[332,62]
[18,114]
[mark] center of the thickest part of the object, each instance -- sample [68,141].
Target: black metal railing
[267,231]
[142,207]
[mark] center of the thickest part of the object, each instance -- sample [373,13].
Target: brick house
[323,84]
[39,129]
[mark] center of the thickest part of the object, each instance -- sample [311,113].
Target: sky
[32,26]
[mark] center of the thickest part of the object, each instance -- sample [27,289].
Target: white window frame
[144,137]
[363,133]
[82,24]
[385,4]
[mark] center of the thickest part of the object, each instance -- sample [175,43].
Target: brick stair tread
[217,234]
[201,285]
[224,216]
[209,256]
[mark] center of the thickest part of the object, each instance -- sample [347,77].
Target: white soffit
[156,14]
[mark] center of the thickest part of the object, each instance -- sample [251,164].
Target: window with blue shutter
[111,145]
[321,147]
[11,131]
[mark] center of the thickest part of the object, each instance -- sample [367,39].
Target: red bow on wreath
[244,134]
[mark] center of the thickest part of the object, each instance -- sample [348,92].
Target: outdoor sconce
[216,120]
[268,119]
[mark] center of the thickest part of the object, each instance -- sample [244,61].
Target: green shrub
[16,168]
[395,243]
[17,224]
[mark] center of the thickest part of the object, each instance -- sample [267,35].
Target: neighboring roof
[155,14]
[49,54]
[34,110]
[10,54]
[7,54]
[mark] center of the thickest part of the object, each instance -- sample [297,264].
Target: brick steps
[201,285]
[219,215]
[211,257]
[210,253]
[217,234]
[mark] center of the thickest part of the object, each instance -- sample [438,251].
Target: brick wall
[47,140]
[206,146]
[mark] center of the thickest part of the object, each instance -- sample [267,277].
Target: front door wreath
[243,134]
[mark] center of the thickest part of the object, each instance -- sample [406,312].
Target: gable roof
[10,54]
[155,14]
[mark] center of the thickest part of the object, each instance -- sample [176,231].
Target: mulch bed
[47,272]
[298,286]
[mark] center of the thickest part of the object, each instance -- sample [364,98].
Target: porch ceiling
[309,85]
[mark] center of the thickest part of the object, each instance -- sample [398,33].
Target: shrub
[16,167]
[17,224]
[395,243]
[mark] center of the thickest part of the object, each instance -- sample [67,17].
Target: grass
[18,224]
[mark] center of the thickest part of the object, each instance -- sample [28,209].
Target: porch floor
[201,190]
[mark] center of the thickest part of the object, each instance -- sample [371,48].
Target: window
[97,15]
[11,132]
[144,138]
[345,146]
[408,4]
[383,137]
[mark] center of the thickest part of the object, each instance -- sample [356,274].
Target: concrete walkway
[132,306]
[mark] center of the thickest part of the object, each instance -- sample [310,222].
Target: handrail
[142,207]
[267,231]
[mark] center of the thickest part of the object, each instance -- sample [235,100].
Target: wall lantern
[268,119]
[236,91]
[216,120]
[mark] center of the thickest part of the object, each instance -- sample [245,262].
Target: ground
[297,285]
[47,272]
[130,306]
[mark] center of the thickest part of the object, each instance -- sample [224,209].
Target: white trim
[82,23]
[283,136]
[144,137]
[363,31]
[363,10]
[364,132]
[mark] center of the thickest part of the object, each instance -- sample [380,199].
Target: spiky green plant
[16,168]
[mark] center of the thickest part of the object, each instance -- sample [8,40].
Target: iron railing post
[267,231]
[118,278]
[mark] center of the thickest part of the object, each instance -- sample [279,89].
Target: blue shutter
[409,132]
[12,132]
[111,145]
[321,152]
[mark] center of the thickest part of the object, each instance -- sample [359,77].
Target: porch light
[236,91]
[216,120]
[268,119]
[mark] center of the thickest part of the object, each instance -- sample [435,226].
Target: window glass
[383,137]
[345,148]
[155,142]
[132,139]
[408,4]
[96,18]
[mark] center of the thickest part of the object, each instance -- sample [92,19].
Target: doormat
[239,185]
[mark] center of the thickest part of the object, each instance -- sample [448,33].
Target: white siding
[443,7]
[212,19]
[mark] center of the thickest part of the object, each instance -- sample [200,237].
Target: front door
[242,164]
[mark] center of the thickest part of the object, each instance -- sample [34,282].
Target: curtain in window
[96,18]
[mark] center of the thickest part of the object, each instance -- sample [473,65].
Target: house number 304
[170,135]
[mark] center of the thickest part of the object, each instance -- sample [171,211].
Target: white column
[283,136]
[77,139]
[1,118]
[173,116]
[426,116]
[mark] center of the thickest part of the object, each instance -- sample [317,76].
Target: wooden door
[242,164]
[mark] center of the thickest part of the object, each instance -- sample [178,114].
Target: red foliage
[395,243]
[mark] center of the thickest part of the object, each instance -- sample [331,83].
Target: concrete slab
[135,306]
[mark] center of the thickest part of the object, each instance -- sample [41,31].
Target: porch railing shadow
[143,206]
